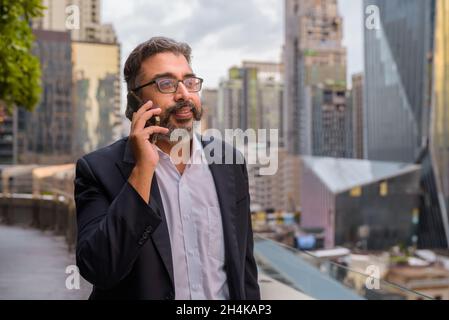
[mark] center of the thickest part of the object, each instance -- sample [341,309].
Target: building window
[383,189]
[355,192]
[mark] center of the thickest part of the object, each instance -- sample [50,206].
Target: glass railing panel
[326,280]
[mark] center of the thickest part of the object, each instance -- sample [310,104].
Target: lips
[184,113]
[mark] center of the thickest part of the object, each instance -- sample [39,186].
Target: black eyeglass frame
[155,81]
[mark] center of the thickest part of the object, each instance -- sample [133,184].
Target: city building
[209,103]
[396,71]
[96,80]
[269,94]
[359,203]
[45,135]
[405,101]
[439,128]
[251,97]
[81,17]
[96,71]
[330,126]
[7,142]
[277,192]
[357,115]
[313,54]
[232,111]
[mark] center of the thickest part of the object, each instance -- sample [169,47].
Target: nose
[182,93]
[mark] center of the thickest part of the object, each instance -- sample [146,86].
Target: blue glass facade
[399,91]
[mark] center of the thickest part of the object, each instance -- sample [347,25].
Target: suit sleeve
[110,232]
[252,289]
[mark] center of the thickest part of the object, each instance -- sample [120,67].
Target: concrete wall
[44,213]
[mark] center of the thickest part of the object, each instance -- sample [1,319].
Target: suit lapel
[160,236]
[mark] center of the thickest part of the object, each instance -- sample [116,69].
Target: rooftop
[341,175]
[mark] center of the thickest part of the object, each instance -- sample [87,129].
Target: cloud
[251,26]
[221,33]
[242,25]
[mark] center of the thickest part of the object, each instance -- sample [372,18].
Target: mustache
[179,105]
[165,118]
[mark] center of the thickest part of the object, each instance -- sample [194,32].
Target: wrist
[145,168]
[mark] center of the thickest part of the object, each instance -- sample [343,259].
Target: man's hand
[145,153]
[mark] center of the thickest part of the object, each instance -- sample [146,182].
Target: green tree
[20,71]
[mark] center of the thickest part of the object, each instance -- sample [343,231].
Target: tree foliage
[20,83]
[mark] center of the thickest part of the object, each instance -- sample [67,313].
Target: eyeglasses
[170,85]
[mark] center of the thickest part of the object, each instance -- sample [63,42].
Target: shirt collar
[195,154]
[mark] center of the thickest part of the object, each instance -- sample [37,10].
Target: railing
[285,272]
[324,280]
[54,211]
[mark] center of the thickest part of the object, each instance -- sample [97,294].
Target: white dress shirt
[194,225]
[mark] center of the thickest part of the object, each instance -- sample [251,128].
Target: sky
[221,33]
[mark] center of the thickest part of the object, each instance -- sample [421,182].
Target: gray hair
[144,51]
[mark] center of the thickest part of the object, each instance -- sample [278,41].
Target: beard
[167,120]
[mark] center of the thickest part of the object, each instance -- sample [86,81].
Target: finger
[142,119]
[149,131]
[146,106]
[155,129]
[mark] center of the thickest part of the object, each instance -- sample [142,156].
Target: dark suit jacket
[123,245]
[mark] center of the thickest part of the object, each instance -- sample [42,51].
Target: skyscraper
[81,17]
[439,118]
[209,103]
[232,107]
[96,71]
[313,54]
[401,98]
[396,66]
[280,191]
[330,122]
[269,93]
[45,135]
[96,81]
[251,97]
[357,115]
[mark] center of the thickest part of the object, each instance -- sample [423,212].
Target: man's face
[179,109]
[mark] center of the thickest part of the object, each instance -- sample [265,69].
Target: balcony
[284,272]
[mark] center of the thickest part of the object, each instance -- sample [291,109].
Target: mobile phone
[135,103]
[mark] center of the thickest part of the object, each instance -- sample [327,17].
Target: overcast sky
[221,33]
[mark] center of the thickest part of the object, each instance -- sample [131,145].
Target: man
[153,228]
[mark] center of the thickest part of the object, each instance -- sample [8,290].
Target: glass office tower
[405,101]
